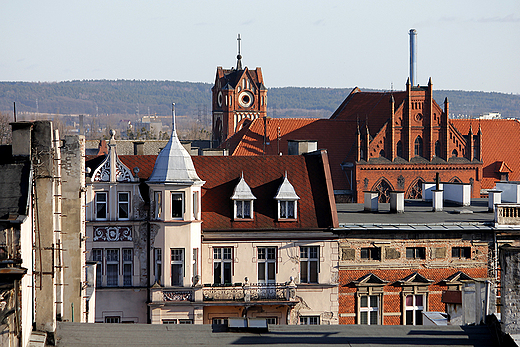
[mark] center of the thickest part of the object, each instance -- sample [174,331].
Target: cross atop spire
[239,57]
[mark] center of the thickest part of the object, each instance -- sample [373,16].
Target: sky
[461,45]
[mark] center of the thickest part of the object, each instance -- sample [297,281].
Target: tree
[5,129]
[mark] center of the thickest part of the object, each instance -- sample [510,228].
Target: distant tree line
[139,98]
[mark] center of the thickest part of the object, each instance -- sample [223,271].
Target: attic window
[287,201]
[242,200]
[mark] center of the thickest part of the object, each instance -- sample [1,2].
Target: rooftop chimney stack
[413,56]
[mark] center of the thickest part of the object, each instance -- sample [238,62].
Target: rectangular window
[369,309]
[177,206]
[169,321]
[272,320]
[222,265]
[287,209]
[461,252]
[195,264]
[415,253]
[243,209]
[112,319]
[101,205]
[371,253]
[158,264]
[123,205]
[177,266]
[309,264]
[127,266]
[309,320]
[112,267]
[185,321]
[266,264]
[219,321]
[414,308]
[97,255]
[158,205]
[196,205]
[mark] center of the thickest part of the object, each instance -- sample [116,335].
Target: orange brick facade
[394,266]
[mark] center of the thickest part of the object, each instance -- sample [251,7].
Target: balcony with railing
[251,292]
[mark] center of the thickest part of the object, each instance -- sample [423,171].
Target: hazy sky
[468,45]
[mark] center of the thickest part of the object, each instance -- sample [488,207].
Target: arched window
[384,188]
[399,149]
[437,148]
[418,147]
[382,153]
[454,153]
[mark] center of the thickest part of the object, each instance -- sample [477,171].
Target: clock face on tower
[245,99]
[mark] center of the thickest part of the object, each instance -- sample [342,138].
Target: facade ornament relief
[113,233]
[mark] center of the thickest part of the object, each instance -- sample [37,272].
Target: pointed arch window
[399,149]
[437,148]
[454,153]
[418,147]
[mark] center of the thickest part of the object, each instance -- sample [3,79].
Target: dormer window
[287,201]
[242,200]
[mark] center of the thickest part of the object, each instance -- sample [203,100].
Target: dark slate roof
[14,188]
[125,335]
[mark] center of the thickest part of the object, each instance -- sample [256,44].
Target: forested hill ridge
[135,97]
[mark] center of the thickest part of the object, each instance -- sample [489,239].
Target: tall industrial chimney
[413,56]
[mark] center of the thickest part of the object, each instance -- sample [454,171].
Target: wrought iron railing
[246,292]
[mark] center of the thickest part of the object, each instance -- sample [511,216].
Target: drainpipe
[148,260]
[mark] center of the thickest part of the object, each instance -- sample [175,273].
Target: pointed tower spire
[173,118]
[239,57]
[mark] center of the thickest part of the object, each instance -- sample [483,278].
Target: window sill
[287,220]
[244,220]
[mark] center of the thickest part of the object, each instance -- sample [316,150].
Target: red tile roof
[372,106]
[263,174]
[336,136]
[500,144]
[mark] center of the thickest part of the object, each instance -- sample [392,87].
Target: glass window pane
[364,317]
[290,209]
[217,272]
[409,317]
[409,253]
[271,253]
[261,271]
[313,252]
[409,300]
[227,253]
[261,253]
[247,209]
[313,275]
[238,205]
[373,317]
[303,272]
[177,275]
[127,274]
[177,206]
[364,253]
[363,301]
[283,209]
[418,300]
[418,317]
[112,274]
[227,272]
[373,300]
[217,253]
[303,252]
[271,271]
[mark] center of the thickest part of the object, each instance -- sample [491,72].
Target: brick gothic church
[239,96]
[377,141]
[403,139]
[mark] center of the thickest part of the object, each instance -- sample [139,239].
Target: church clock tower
[238,96]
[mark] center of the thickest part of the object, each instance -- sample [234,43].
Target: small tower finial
[239,57]
[173,117]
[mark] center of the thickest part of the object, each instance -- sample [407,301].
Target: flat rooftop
[418,215]
[127,335]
